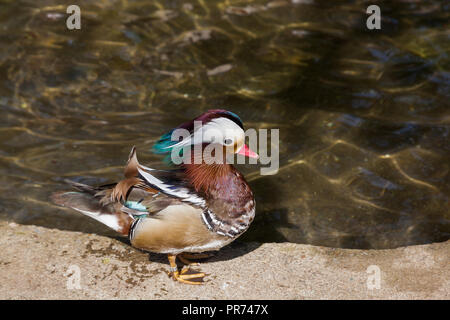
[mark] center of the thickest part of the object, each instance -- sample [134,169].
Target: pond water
[363,115]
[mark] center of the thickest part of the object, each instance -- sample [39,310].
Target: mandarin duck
[196,207]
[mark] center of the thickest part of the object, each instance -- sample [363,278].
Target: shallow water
[363,115]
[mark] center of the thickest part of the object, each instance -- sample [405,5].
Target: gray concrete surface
[40,263]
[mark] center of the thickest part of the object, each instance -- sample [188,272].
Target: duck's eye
[228,142]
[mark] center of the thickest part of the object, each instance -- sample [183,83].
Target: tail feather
[89,205]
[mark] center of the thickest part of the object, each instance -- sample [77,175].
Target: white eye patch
[223,131]
[220,130]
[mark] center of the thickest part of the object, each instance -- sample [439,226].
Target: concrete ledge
[35,263]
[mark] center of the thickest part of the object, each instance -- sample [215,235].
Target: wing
[147,191]
[143,192]
[170,183]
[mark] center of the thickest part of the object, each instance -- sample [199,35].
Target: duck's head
[211,131]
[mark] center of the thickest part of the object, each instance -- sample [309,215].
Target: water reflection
[363,115]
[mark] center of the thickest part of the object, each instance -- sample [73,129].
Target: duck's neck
[207,177]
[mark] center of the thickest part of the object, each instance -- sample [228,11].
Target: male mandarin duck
[199,206]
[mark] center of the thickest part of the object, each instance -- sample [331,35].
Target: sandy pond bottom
[41,263]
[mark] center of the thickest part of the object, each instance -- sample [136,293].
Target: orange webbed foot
[186,275]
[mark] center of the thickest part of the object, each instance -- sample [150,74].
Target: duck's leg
[183,276]
[187,258]
[186,261]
